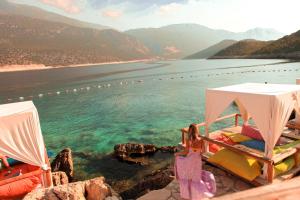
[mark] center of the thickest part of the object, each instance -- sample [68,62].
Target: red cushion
[214,148]
[251,132]
[18,188]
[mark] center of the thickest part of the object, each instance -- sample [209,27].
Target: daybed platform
[263,150]
[250,152]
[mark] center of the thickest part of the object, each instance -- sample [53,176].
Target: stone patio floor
[226,184]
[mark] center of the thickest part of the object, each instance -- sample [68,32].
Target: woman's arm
[185,151]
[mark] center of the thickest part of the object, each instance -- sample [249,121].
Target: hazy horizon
[231,15]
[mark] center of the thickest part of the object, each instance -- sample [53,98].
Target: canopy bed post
[206,149]
[47,173]
[182,137]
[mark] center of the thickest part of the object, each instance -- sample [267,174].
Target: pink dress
[194,182]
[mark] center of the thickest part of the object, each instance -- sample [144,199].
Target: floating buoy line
[128,82]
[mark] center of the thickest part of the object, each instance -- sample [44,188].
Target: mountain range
[241,48]
[181,40]
[212,50]
[9,8]
[31,35]
[287,47]
[25,40]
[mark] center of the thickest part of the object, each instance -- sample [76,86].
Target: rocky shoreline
[132,154]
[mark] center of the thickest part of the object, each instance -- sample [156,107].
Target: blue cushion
[255,144]
[13,162]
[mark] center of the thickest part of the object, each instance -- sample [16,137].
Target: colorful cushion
[214,148]
[239,164]
[280,149]
[236,137]
[251,132]
[254,133]
[225,139]
[284,166]
[13,162]
[18,188]
[255,144]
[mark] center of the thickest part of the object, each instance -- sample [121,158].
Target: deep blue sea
[90,109]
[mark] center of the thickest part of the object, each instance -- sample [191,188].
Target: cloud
[114,14]
[138,4]
[68,6]
[169,8]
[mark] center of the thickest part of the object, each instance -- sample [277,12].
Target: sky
[232,15]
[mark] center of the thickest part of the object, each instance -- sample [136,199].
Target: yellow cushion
[284,166]
[237,137]
[239,164]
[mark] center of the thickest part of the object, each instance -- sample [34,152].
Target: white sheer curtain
[21,136]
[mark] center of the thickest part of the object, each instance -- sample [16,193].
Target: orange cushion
[18,188]
[225,139]
[214,148]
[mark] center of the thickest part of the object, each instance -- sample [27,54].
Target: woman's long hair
[193,132]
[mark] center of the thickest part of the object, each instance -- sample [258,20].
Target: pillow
[214,148]
[18,188]
[284,166]
[236,137]
[251,132]
[223,138]
[280,149]
[13,162]
[244,166]
[255,144]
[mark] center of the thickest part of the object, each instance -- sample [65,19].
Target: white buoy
[40,95]
[121,83]
[88,88]
[108,85]
[21,98]
[74,90]
[99,86]
[58,92]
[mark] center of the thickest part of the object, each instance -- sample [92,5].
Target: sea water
[91,109]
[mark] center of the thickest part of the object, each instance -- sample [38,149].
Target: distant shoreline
[31,67]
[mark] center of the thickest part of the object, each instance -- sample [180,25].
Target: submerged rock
[94,189]
[157,180]
[130,152]
[137,153]
[64,162]
[169,149]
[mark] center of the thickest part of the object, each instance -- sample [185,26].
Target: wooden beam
[235,115]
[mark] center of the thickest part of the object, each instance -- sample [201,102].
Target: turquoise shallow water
[151,104]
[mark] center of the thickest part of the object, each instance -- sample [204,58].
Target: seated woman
[195,183]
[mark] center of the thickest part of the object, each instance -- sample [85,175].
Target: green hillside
[242,48]
[212,50]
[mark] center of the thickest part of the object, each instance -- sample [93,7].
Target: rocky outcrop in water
[64,162]
[59,178]
[135,153]
[157,180]
[130,152]
[94,189]
[168,149]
